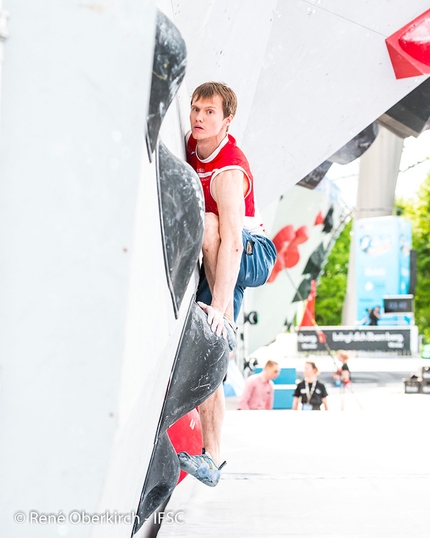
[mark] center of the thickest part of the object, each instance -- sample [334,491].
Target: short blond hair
[343,354]
[271,364]
[209,89]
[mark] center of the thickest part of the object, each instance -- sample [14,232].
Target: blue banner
[382,264]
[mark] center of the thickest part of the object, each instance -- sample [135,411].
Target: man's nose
[199,116]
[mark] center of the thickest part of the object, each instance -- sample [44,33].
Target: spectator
[374,315]
[343,374]
[310,391]
[259,390]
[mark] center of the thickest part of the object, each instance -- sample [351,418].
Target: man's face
[274,372]
[207,118]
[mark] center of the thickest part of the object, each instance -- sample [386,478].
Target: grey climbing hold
[313,179]
[200,366]
[357,146]
[168,71]
[161,479]
[182,220]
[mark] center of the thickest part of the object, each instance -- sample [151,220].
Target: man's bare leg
[213,409]
[211,417]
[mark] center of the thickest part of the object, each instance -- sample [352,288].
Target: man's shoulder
[232,148]
[254,379]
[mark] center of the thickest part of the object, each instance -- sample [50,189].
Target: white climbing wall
[87,333]
[75,89]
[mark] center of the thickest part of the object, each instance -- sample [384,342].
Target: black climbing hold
[328,221]
[315,262]
[346,154]
[313,178]
[357,146]
[411,115]
[200,366]
[303,290]
[161,479]
[182,220]
[168,70]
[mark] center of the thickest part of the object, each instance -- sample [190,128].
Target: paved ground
[361,472]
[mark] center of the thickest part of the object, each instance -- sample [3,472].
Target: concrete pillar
[379,168]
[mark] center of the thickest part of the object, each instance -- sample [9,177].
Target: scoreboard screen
[398,304]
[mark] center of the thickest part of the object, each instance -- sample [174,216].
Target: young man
[236,251]
[259,392]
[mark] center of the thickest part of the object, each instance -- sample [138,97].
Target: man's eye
[210,111]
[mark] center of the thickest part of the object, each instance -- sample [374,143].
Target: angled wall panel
[303,216]
[307,84]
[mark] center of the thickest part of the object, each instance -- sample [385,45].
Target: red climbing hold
[287,243]
[309,315]
[409,48]
[186,434]
[319,219]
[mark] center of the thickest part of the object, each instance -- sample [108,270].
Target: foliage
[417,210]
[331,289]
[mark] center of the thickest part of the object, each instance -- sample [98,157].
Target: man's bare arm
[227,189]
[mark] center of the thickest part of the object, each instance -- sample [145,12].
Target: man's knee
[211,236]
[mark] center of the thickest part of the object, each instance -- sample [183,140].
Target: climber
[236,250]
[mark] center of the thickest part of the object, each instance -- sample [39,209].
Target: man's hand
[215,319]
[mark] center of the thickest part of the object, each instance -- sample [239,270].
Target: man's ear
[229,119]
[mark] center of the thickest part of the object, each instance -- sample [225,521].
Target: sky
[415,150]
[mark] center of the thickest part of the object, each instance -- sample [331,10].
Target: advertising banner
[358,339]
[382,256]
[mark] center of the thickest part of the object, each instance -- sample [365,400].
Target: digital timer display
[400,304]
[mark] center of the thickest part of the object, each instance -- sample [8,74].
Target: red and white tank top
[227,156]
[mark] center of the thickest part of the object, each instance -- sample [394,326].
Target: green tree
[417,210]
[331,289]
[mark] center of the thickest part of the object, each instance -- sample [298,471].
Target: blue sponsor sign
[382,263]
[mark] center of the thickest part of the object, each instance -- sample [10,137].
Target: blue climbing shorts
[258,259]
